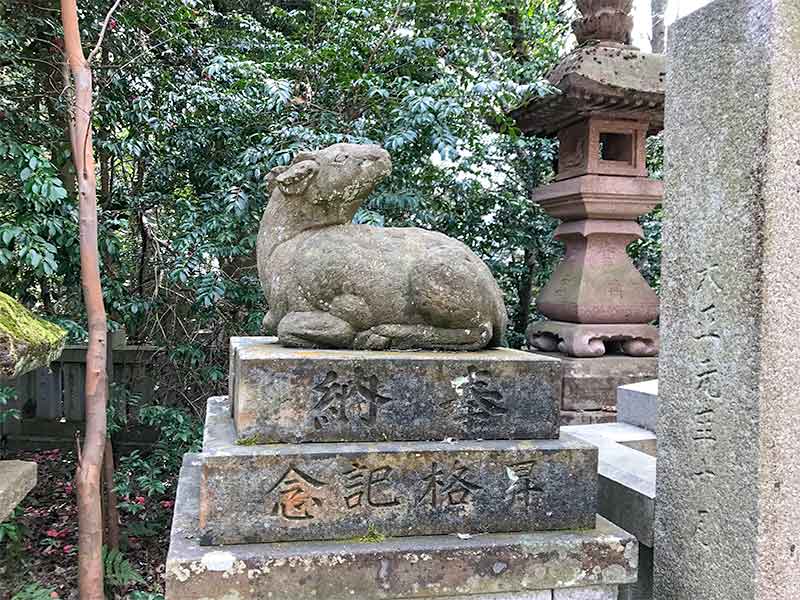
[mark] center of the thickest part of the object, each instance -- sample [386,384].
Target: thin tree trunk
[525,291]
[90,460]
[112,512]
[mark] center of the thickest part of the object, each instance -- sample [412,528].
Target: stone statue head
[336,179]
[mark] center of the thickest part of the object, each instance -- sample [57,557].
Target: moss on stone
[26,341]
[252,440]
[373,536]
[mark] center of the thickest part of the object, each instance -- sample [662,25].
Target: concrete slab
[396,568]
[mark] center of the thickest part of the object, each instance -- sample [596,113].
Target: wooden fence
[52,401]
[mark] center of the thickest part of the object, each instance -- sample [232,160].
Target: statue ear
[272,176]
[294,180]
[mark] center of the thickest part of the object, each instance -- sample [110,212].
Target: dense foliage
[196,100]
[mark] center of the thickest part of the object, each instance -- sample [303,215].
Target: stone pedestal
[586,341]
[573,564]
[596,300]
[728,515]
[369,510]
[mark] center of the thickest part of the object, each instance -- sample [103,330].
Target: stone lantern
[608,97]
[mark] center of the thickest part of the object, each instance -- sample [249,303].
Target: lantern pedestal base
[585,340]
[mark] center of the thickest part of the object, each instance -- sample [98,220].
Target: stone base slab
[587,417]
[290,395]
[489,566]
[286,492]
[17,478]
[590,384]
[588,340]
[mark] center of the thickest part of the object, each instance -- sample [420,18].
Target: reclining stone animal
[332,284]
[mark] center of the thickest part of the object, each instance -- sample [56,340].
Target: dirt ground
[47,551]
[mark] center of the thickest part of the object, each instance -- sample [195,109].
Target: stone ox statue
[332,284]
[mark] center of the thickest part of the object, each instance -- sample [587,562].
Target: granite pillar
[728,515]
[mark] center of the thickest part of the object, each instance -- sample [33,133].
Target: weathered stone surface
[606,21]
[591,340]
[398,568]
[598,79]
[591,383]
[600,592]
[332,284]
[627,489]
[728,516]
[637,404]
[17,478]
[284,492]
[26,341]
[291,395]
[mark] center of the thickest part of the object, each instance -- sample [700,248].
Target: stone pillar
[728,512]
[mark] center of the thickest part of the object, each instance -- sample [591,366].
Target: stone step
[500,566]
[286,492]
[290,395]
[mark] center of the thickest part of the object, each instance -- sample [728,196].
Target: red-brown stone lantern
[609,97]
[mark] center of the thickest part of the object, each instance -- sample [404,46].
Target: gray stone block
[627,476]
[599,592]
[283,492]
[590,384]
[587,417]
[393,569]
[728,516]
[290,395]
[637,404]
[17,478]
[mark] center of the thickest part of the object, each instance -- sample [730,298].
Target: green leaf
[117,571]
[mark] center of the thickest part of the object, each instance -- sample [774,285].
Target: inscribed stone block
[290,395]
[283,492]
[393,569]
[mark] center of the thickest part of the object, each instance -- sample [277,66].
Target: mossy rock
[26,341]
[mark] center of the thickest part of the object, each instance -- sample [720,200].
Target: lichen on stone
[27,342]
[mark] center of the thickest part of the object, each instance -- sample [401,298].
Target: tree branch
[99,43]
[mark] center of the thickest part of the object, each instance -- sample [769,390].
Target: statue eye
[340,158]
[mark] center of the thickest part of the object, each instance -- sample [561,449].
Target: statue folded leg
[316,329]
[405,337]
